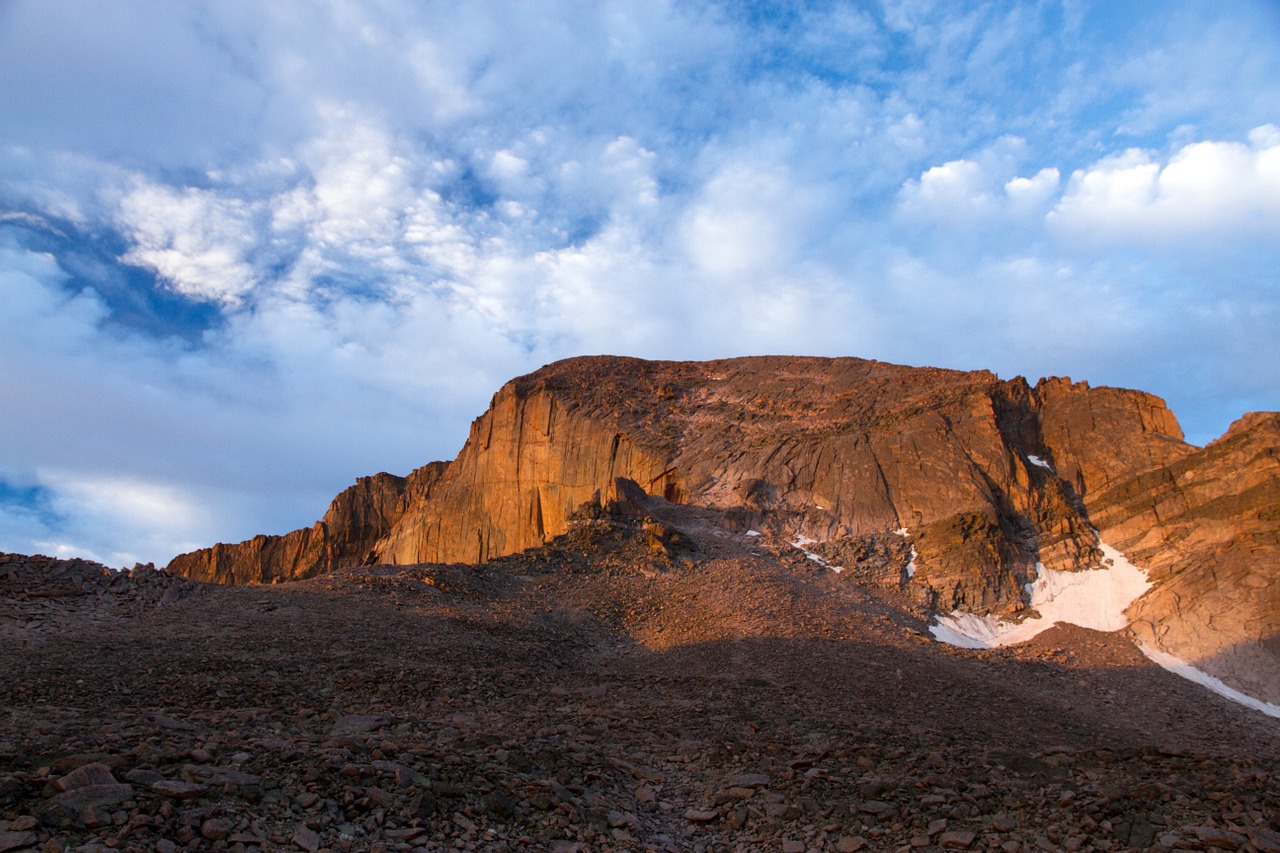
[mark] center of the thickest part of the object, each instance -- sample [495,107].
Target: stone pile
[41,594]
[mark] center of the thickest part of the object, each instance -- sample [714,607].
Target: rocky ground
[672,687]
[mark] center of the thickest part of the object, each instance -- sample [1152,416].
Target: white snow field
[1093,599]
[1189,672]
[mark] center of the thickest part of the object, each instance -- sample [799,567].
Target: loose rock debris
[733,702]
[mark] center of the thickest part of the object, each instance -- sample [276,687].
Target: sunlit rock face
[1207,529]
[356,520]
[821,448]
[986,479]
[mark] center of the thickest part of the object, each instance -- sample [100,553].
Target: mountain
[982,481]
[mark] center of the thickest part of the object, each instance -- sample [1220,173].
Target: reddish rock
[958,839]
[16,840]
[177,789]
[824,448]
[1207,528]
[1264,839]
[989,477]
[306,839]
[84,776]
[355,521]
[84,803]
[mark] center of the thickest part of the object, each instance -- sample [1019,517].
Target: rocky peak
[982,479]
[356,519]
[1100,436]
[824,448]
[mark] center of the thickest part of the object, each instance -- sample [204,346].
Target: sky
[250,252]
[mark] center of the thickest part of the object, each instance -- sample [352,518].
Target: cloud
[195,240]
[975,193]
[248,253]
[136,508]
[1203,190]
[1026,194]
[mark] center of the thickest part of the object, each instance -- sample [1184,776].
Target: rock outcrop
[802,447]
[983,478]
[1207,529]
[356,520]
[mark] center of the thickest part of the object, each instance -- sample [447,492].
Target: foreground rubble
[598,694]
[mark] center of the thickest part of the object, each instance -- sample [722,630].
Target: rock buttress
[530,462]
[355,521]
[1207,528]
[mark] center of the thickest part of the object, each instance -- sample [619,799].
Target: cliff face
[1207,528]
[986,477]
[529,462]
[355,521]
[1088,451]
[821,448]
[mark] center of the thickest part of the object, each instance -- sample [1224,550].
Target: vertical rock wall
[529,463]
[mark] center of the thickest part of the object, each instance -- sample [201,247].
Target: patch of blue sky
[137,301]
[35,502]
[469,190]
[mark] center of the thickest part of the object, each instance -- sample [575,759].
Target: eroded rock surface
[1207,528]
[986,478]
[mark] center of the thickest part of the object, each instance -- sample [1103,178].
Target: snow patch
[1189,672]
[903,532]
[752,533]
[1094,599]
[802,541]
[1036,460]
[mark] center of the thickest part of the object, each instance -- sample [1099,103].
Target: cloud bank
[250,253]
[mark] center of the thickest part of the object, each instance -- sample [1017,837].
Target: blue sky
[250,252]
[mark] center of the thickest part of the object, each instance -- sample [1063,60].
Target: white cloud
[194,239]
[970,194]
[1031,193]
[151,513]
[1204,189]
[747,224]
[956,191]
